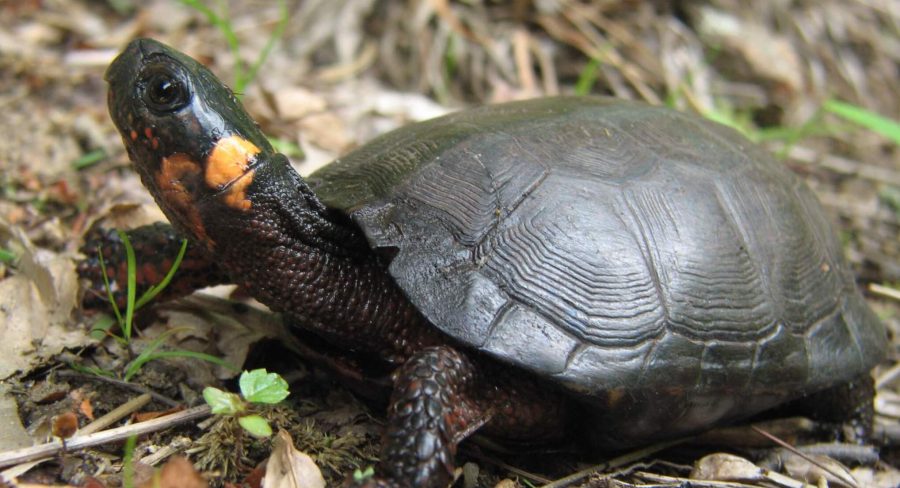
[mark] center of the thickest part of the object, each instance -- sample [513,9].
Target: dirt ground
[338,73]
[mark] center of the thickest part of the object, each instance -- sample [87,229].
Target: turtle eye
[165,91]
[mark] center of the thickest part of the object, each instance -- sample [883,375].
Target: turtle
[564,266]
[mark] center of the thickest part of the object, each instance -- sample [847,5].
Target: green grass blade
[587,78]
[154,290]
[149,354]
[135,365]
[224,26]
[128,462]
[865,118]
[109,292]
[91,370]
[270,44]
[89,159]
[131,287]
[145,357]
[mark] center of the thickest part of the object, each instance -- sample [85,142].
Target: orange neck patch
[170,181]
[229,163]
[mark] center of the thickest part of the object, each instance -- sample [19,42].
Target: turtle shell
[612,247]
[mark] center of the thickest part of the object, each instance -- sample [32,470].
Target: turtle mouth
[239,180]
[229,169]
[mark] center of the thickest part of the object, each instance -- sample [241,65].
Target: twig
[885,291]
[508,467]
[850,481]
[613,463]
[841,165]
[677,481]
[16,456]
[888,377]
[115,414]
[122,384]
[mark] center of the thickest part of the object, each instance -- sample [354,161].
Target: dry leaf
[35,305]
[206,316]
[91,482]
[290,468]
[86,408]
[801,468]
[12,433]
[178,472]
[326,130]
[145,416]
[726,467]
[254,478]
[294,102]
[884,477]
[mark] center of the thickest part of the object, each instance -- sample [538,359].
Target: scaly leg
[431,410]
[440,397]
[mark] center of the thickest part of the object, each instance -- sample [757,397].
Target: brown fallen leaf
[86,408]
[836,475]
[145,416]
[254,478]
[289,468]
[728,467]
[178,472]
[91,482]
[725,467]
[35,305]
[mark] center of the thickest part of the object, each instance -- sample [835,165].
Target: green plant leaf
[102,327]
[89,159]
[7,256]
[255,426]
[362,475]
[223,402]
[258,386]
[865,118]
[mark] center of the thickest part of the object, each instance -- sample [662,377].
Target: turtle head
[189,138]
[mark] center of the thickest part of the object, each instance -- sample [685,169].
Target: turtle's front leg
[432,409]
[441,397]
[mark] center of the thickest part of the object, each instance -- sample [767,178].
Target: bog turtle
[561,266]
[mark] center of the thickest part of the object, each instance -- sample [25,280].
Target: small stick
[16,456]
[776,440]
[613,463]
[884,291]
[116,414]
[123,384]
[888,378]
